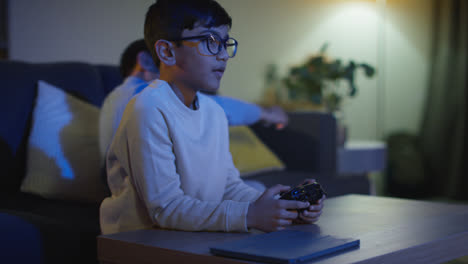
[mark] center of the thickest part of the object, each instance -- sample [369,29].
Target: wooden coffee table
[391,231]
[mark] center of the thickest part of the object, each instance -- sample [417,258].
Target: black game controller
[308,192]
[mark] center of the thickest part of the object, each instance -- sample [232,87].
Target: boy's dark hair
[166,19]
[128,59]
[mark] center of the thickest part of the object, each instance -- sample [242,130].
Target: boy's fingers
[320,202]
[324,197]
[309,214]
[317,207]
[311,180]
[308,181]
[288,214]
[284,222]
[280,126]
[288,204]
[308,220]
[277,189]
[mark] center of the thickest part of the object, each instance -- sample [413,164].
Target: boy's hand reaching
[270,214]
[274,115]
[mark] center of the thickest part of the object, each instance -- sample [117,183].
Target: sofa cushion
[249,154]
[19,81]
[63,159]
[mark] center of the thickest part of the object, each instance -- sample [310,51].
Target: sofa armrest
[307,144]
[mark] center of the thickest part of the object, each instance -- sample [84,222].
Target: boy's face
[198,68]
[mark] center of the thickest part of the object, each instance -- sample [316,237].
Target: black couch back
[18,88]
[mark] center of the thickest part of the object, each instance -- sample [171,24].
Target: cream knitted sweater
[170,166]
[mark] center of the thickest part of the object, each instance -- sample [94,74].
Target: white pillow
[63,150]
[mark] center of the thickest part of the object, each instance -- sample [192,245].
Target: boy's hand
[308,181]
[312,213]
[270,214]
[274,115]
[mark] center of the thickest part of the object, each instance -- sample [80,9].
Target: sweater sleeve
[151,162]
[238,112]
[236,189]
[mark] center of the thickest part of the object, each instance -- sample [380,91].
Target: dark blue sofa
[38,230]
[65,230]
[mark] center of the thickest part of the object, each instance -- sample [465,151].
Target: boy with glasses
[169,163]
[138,70]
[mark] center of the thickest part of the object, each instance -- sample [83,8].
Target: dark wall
[3,29]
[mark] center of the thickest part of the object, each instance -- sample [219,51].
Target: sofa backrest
[18,82]
[307,144]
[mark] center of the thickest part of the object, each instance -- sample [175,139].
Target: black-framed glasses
[214,44]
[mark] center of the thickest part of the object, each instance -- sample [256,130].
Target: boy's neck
[185,94]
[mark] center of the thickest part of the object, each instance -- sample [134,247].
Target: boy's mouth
[219,72]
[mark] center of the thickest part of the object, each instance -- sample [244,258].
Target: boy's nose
[223,54]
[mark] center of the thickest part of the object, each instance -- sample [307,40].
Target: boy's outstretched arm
[274,115]
[269,214]
[242,113]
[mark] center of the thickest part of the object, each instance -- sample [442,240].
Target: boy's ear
[146,61]
[165,52]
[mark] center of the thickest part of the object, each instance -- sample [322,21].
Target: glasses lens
[231,47]
[213,45]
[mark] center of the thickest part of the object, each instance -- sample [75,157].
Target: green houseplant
[317,80]
[320,83]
